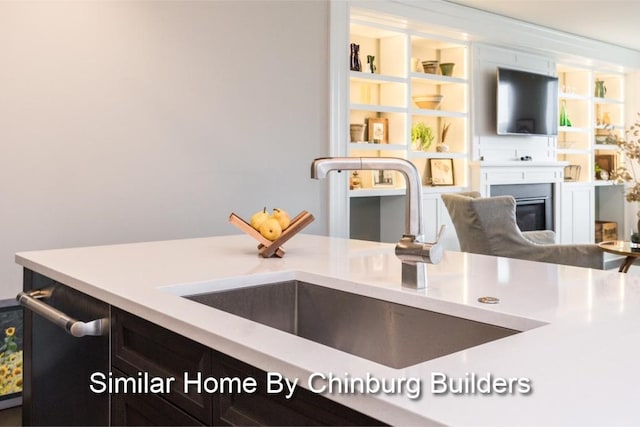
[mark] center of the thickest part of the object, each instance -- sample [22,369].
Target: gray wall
[134,121]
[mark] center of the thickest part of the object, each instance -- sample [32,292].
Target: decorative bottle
[564,119]
[355,181]
[601,89]
[372,67]
[355,64]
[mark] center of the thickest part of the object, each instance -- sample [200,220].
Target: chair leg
[624,267]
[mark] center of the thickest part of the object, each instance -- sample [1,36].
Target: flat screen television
[527,103]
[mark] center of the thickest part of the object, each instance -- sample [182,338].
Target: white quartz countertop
[580,348]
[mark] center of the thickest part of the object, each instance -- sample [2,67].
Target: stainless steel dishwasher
[66,339]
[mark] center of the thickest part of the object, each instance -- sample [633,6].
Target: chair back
[483,225]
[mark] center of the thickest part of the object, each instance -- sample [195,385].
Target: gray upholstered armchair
[488,226]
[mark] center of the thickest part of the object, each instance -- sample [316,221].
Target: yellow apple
[258,218]
[283,218]
[271,229]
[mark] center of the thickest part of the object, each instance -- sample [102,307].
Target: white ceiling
[612,21]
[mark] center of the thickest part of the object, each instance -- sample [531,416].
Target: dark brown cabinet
[57,366]
[139,346]
[143,382]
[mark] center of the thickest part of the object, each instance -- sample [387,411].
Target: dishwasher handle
[73,326]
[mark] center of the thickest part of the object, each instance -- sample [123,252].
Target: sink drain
[489,300]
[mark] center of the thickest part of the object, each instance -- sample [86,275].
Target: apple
[283,218]
[258,218]
[271,229]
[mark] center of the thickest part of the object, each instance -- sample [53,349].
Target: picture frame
[383,178]
[441,171]
[607,162]
[11,347]
[378,130]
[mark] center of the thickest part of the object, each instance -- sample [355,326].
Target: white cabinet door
[436,215]
[577,213]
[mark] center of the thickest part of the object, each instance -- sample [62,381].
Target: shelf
[438,189]
[437,113]
[576,183]
[364,77]
[607,147]
[610,183]
[377,192]
[436,155]
[436,78]
[377,108]
[573,151]
[572,129]
[610,101]
[572,96]
[354,146]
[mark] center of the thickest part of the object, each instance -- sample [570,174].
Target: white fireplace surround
[485,174]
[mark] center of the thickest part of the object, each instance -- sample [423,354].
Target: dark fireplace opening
[534,204]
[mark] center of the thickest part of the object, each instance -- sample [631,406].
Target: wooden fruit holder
[266,247]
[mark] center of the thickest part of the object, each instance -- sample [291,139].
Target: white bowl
[430,102]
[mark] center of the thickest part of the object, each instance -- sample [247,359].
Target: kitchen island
[573,363]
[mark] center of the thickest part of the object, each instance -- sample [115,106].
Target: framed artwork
[607,163]
[441,171]
[378,130]
[11,334]
[383,178]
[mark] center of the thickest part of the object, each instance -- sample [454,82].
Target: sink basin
[392,334]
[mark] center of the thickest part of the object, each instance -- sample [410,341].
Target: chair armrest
[543,237]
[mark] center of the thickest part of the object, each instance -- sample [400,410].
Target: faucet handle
[408,249]
[440,232]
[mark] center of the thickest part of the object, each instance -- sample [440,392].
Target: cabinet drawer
[140,347]
[146,410]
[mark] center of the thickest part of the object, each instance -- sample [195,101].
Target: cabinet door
[143,409]
[139,346]
[57,366]
[260,408]
[577,214]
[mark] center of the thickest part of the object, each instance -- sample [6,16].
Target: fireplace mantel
[485,174]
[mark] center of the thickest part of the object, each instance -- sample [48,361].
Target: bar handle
[73,326]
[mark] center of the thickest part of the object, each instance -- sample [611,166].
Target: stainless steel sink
[392,334]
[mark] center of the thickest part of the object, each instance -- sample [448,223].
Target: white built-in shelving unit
[388,94]
[402,33]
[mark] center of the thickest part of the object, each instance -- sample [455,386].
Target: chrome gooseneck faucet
[411,249]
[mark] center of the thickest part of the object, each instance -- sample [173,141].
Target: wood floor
[11,416]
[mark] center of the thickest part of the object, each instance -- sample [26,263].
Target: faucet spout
[411,249]
[320,167]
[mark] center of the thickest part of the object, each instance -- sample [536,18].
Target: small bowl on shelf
[429,102]
[430,67]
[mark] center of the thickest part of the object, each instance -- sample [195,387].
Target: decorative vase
[447,68]
[564,118]
[430,67]
[356,132]
[355,181]
[372,67]
[355,64]
[601,89]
